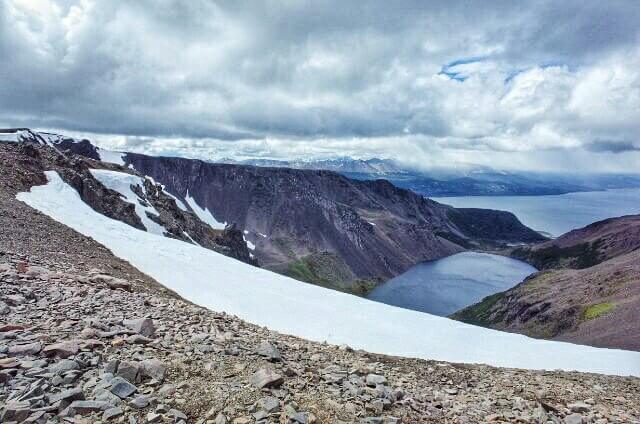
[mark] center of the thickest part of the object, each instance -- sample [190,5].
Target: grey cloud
[306,72]
[614,146]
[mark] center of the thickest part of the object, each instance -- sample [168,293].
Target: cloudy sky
[541,85]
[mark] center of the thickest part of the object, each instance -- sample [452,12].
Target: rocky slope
[324,228]
[589,291]
[79,344]
[23,165]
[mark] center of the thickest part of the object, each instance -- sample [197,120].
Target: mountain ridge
[588,289]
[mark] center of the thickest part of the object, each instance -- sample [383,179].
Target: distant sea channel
[556,214]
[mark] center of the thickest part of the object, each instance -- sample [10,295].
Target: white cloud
[422,83]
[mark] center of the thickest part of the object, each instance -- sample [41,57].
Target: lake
[447,285]
[557,214]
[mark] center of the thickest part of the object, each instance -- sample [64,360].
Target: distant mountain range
[480,181]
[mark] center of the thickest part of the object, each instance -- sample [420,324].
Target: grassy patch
[480,313]
[579,256]
[597,310]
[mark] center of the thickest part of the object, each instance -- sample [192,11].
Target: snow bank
[111,156]
[204,214]
[121,182]
[289,306]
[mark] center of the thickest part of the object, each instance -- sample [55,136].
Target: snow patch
[9,137]
[204,214]
[111,156]
[289,306]
[121,182]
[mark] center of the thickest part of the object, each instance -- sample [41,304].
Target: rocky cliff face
[23,165]
[324,228]
[589,291]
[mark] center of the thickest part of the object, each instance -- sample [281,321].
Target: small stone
[177,415]
[25,349]
[574,419]
[84,407]
[62,349]
[269,351]
[63,366]
[143,326]
[373,380]
[141,401]
[67,395]
[138,339]
[266,378]
[112,413]
[152,417]
[269,404]
[154,369]
[220,419]
[122,388]
[579,407]
[128,370]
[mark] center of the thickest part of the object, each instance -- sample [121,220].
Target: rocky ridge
[588,291]
[324,228]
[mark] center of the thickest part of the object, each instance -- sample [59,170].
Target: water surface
[557,214]
[447,285]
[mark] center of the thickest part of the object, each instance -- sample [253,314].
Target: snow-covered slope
[288,306]
[121,182]
[204,214]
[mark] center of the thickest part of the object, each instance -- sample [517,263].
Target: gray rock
[141,401]
[142,326]
[84,407]
[107,396]
[154,369]
[4,308]
[122,388]
[177,415]
[111,413]
[62,349]
[269,404]
[138,339]
[220,419]
[574,419]
[373,380]
[112,366]
[128,370]
[269,351]
[63,366]
[152,417]
[579,407]
[15,412]
[67,395]
[266,378]
[25,349]
[14,299]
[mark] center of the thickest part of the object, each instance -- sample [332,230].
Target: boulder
[143,326]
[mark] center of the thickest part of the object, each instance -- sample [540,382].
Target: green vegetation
[597,310]
[480,313]
[584,255]
[328,270]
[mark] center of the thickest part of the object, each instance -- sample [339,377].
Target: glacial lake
[557,214]
[447,285]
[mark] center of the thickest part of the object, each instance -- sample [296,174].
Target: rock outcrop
[588,291]
[327,229]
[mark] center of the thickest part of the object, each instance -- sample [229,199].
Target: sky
[541,85]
